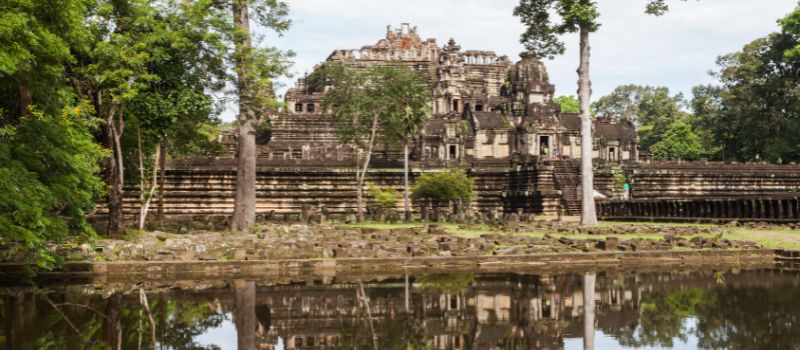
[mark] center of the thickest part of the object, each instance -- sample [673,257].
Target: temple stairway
[567,176]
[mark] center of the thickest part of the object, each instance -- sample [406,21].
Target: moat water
[694,309]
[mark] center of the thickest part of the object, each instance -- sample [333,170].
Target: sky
[676,50]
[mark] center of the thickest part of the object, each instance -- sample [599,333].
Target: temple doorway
[544,146]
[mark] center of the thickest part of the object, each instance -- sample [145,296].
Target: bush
[442,187]
[384,198]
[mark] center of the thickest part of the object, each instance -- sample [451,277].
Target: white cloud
[676,50]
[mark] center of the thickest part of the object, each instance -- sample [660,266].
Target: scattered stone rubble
[326,242]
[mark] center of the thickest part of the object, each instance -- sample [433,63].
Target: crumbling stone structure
[483,107]
[490,116]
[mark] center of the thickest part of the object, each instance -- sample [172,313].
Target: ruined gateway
[493,118]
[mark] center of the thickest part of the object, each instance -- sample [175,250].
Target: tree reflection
[662,318]
[750,318]
[244,313]
[503,311]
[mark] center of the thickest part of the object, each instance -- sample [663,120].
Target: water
[714,309]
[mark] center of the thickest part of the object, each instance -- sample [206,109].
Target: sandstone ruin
[497,120]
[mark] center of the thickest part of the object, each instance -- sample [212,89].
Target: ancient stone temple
[484,106]
[490,116]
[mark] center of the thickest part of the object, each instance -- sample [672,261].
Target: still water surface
[749,309]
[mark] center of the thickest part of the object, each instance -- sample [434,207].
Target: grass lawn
[774,239]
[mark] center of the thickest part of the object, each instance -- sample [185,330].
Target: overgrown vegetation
[111,89]
[750,115]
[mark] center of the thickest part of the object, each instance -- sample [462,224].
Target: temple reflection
[452,311]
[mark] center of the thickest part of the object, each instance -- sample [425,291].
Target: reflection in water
[588,310]
[743,310]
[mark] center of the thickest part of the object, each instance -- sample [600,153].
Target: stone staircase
[567,177]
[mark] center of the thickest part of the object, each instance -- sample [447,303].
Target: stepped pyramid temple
[495,119]
[484,106]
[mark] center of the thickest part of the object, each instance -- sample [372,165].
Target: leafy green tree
[451,187]
[678,143]
[541,39]
[48,162]
[407,114]
[369,104]
[110,70]
[174,113]
[568,104]
[47,180]
[753,113]
[651,109]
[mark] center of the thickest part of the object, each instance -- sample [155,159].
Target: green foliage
[441,187]
[384,198]
[47,180]
[753,113]
[48,160]
[395,97]
[651,109]
[447,283]
[662,315]
[568,104]
[541,37]
[619,181]
[679,142]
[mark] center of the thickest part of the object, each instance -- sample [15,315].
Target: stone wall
[704,192]
[291,192]
[293,189]
[664,180]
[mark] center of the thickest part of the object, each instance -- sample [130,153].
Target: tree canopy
[679,142]
[753,113]
[568,104]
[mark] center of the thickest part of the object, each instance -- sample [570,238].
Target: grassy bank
[773,237]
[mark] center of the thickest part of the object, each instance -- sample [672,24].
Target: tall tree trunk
[145,208]
[588,215]
[25,99]
[588,311]
[244,212]
[112,325]
[116,223]
[406,199]
[162,167]
[361,174]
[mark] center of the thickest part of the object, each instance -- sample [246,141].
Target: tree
[678,143]
[541,40]
[651,109]
[752,115]
[568,104]
[172,111]
[709,121]
[452,187]
[110,70]
[255,69]
[389,103]
[48,160]
[408,112]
